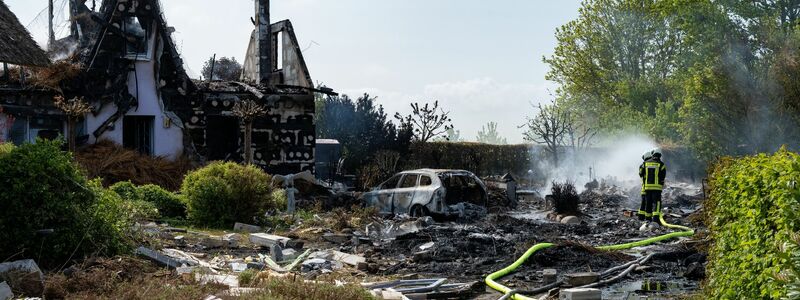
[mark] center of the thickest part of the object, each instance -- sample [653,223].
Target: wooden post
[248,142]
[71,132]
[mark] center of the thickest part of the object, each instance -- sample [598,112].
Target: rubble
[457,249]
[246,227]
[160,258]
[213,242]
[388,229]
[23,276]
[267,240]
[581,279]
[580,294]
[5,291]
[549,275]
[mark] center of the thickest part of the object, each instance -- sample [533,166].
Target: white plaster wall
[167,141]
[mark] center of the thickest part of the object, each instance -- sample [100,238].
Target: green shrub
[247,277]
[790,276]
[168,203]
[6,148]
[150,200]
[127,190]
[279,198]
[44,189]
[752,210]
[223,193]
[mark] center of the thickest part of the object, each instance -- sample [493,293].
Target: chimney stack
[264,41]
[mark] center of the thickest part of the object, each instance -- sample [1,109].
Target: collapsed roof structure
[142,98]
[16,45]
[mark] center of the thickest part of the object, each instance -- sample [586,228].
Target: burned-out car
[427,192]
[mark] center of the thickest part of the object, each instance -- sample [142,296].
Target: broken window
[141,32]
[410,180]
[391,183]
[137,133]
[425,181]
[462,188]
[44,128]
[222,137]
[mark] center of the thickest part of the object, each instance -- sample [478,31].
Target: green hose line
[490,280]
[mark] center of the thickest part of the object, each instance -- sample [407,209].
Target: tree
[247,111]
[451,135]
[75,109]
[717,76]
[428,121]
[225,68]
[549,128]
[489,135]
[361,127]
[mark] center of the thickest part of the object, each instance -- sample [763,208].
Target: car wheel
[418,211]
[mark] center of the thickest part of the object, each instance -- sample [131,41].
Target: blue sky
[481,59]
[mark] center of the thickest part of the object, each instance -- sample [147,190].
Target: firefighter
[642,214]
[653,172]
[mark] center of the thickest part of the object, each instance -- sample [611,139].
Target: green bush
[44,189]
[223,193]
[752,210]
[168,203]
[150,198]
[6,148]
[127,190]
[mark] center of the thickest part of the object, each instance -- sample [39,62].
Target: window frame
[382,186]
[403,181]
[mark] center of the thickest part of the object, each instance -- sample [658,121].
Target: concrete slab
[579,279]
[549,275]
[267,240]
[349,259]
[580,294]
[246,227]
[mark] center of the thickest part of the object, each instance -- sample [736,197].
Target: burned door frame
[384,196]
[403,198]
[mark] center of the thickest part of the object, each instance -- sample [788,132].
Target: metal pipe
[435,284]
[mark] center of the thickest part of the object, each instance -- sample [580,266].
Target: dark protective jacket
[653,172]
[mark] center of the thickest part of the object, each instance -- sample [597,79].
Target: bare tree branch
[428,121]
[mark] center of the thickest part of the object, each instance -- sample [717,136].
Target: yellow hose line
[490,279]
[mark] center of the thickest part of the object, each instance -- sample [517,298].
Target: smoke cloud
[614,158]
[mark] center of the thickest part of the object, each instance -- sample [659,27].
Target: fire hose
[512,294]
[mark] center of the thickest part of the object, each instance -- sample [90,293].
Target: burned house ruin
[26,111]
[142,98]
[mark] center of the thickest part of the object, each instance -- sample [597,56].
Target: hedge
[481,159]
[752,210]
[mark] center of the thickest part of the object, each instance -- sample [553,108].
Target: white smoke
[615,159]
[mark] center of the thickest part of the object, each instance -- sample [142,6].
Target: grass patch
[289,288]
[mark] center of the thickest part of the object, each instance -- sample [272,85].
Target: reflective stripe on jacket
[653,173]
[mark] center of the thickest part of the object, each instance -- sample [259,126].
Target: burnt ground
[463,250]
[468,250]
